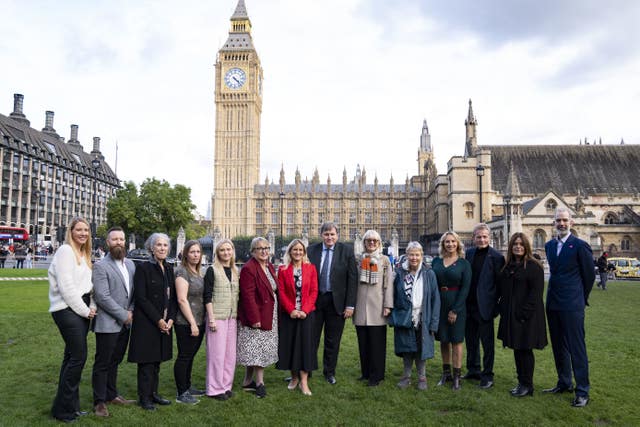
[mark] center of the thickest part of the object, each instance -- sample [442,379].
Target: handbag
[400,318]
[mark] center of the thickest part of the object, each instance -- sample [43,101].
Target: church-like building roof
[567,169]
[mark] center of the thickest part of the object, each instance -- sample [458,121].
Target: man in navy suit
[486,263]
[337,286]
[113,291]
[571,280]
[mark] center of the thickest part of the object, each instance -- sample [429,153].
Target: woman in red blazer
[297,293]
[258,317]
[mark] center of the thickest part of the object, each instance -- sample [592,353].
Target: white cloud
[346,82]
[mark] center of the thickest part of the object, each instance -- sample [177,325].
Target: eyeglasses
[263,249]
[371,241]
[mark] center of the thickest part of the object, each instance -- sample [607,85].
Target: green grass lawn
[31,352]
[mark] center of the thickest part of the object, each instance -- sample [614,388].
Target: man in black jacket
[486,264]
[337,287]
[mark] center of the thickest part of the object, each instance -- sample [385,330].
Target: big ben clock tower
[238,95]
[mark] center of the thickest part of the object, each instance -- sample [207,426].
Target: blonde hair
[287,255]
[216,260]
[460,249]
[373,235]
[85,249]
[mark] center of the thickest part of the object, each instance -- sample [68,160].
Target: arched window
[610,218]
[468,209]
[539,238]
[551,205]
[625,243]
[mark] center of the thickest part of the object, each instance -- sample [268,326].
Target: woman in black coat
[522,319]
[153,317]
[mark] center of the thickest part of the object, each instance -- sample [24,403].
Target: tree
[157,207]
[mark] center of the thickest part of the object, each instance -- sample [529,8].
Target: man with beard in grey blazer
[113,292]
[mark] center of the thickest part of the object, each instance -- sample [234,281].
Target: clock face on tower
[235,78]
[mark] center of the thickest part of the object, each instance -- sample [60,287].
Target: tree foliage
[155,207]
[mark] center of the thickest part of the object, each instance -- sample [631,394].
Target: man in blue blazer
[486,263]
[571,280]
[337,288]
[113,292]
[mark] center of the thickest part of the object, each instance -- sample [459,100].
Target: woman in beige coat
[373,305]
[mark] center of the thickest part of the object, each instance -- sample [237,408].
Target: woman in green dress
[454,279]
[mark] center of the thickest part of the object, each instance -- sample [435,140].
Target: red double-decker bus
[13,235]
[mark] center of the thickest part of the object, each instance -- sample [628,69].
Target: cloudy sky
[347,82]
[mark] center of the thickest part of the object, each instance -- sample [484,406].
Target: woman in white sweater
[71,307]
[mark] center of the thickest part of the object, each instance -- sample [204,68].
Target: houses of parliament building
[511,187]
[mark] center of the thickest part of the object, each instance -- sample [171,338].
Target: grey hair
[480,226]
[327,226]
[372,234]
[412,246]
[255,242]
[562,209]
[151,241]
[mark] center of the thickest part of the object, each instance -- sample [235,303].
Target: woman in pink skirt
[221,290]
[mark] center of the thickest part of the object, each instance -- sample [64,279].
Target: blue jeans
[73,329]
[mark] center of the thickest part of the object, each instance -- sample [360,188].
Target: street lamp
[95,164]
[507,215]
[480,174]
[35,248]
[281,221]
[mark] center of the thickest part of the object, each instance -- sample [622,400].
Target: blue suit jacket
[572,274]
[486,293]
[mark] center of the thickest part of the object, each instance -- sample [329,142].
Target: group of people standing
[140,307]
[256,317]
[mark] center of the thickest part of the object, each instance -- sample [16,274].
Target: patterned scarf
[369,267]
[409,279]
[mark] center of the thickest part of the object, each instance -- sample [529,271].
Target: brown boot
[101,410]
[456,379]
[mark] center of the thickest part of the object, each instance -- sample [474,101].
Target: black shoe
[470,376]
[250,387]
[81,413]
[67,419]
[196,392]
[373,383]
[221,396]
[558,390]
[156,398]
[485,384]
[229,394]
[522,391]
[363,378]
[456,383]
[331,379]
[580,402]
[147,406]
[288,379]
[261,391]
[446,376]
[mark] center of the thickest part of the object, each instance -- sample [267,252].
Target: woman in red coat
[258,317]
[297,293]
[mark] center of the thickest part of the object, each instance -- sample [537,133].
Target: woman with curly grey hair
[153,316]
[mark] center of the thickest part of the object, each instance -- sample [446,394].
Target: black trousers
[333,323]
[110,350]
[479,331]
[148,377]
[188,346]
[525,364]
[73,329]
[372,344]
